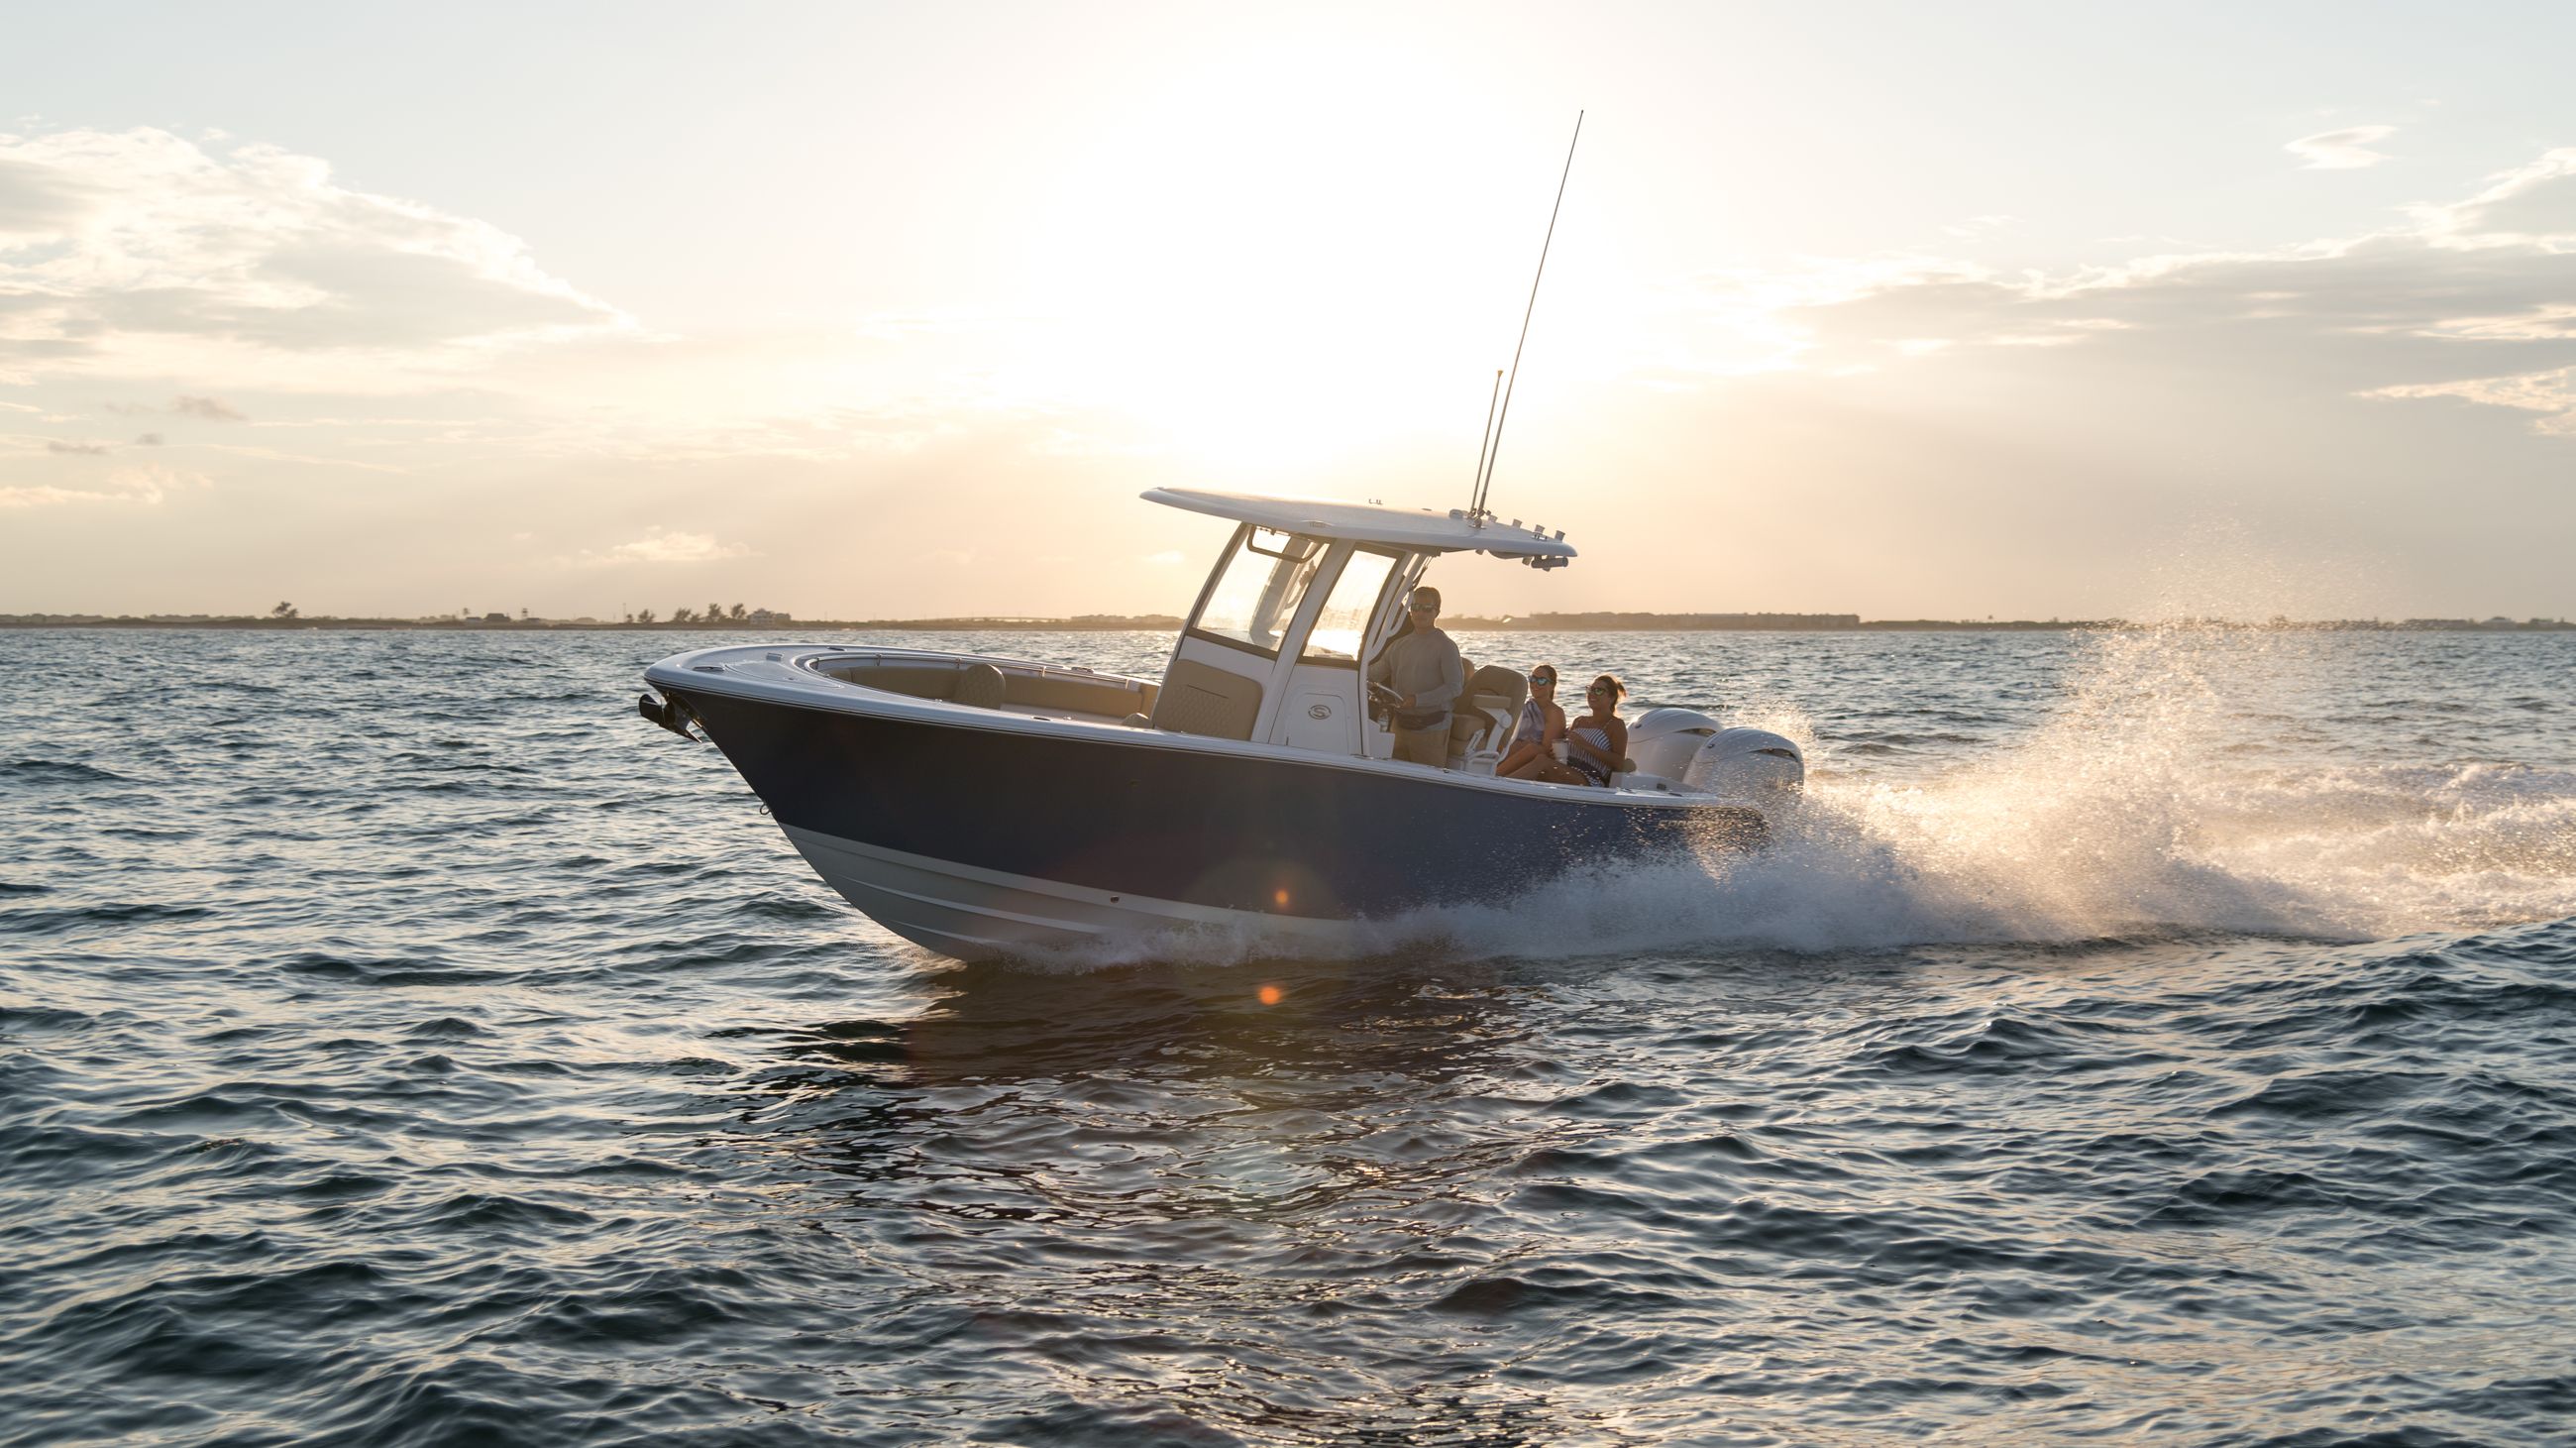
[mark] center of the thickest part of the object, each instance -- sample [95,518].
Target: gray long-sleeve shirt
[1424,664]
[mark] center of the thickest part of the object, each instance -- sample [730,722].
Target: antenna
[1494,449]
[1478,491]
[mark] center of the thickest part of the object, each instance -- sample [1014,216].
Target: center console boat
[985,807]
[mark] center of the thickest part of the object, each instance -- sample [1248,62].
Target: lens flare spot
[1269,995]
[1279,897]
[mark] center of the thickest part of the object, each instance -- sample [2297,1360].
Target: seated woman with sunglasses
[1541,724]
[1594,744]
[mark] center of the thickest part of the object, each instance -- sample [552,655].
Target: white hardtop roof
[1418,529]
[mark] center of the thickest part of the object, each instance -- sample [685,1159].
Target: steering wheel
[1382,702]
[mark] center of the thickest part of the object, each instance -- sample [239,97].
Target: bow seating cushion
[982,686]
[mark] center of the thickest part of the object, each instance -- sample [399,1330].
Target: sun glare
[1252,271]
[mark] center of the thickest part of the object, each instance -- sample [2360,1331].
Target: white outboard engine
[1665,741]
[1691,749]
[1749,764]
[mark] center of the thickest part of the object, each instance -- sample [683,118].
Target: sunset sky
[1908,310]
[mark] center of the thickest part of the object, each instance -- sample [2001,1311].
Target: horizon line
[1600,620]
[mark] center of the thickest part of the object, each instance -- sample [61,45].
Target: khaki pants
[1423,746]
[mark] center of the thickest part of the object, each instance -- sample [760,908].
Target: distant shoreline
[1164,623]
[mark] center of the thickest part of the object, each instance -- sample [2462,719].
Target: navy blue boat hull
[1263,835]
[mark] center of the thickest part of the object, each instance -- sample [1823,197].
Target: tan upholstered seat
[1055,692]
[1485,709]
[921,681]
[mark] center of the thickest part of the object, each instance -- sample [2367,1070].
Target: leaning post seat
[1485,709]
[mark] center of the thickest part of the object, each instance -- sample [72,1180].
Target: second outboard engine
[1748,764]
[1691,749]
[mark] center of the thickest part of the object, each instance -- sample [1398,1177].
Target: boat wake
[2157,800]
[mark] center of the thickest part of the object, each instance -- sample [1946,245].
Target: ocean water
[2160,1035]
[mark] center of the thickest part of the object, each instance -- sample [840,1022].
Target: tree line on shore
[714,613]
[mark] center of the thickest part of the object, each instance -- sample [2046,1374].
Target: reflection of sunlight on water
[1076,1170]
[1280,1042]
[1204,1150]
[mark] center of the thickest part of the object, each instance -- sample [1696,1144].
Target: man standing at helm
[1421,665]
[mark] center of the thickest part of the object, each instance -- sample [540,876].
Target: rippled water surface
[2161,1035]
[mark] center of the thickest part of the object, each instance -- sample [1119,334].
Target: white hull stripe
[967,911]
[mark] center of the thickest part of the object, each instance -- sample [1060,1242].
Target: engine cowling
[1749,764]
[1665,741]
[1695,751]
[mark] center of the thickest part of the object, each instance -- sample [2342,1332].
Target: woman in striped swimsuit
[1541,724]
[1594,744]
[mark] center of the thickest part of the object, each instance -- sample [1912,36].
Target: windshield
[1260,589]
[1346,610]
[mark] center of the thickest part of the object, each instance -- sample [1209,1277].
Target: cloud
[213,409]
[2474,301]
[279,455]
[36,199]
[2533,206]
[148,439]
[1976,226]
[142,253]
[2552,394]
[149,483]
[659,545]
[43,496]
[246,276]
[87,449]
[2344,150]
[135,487]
